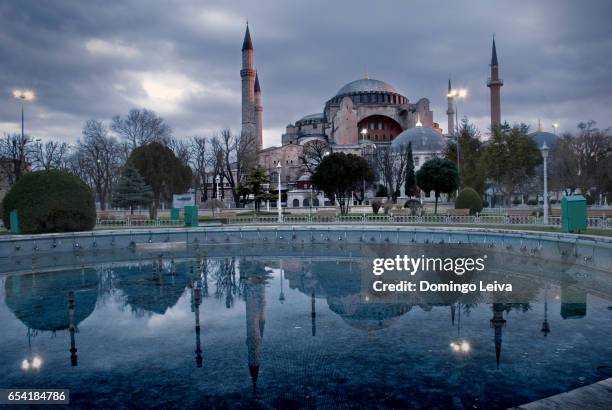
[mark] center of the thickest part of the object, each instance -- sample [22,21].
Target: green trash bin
[175,215]
[14,221]
[573,213]
[191,216]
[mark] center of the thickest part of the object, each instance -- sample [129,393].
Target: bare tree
[50,155]
[199,160]
[181,149]
[239,157]
[140,127]
[98,157]
[313,153]
[15,156]
[391,167]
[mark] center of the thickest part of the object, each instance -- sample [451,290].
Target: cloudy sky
[87,59]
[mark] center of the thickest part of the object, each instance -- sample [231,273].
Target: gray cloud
[182,59]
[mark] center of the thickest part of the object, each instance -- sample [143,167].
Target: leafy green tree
[511,157]
[410,184]
[254,183]
[162,171]
[131,190]
[472,165]
[339,174]
[439,175]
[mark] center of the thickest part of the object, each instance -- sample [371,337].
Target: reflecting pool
[210,330]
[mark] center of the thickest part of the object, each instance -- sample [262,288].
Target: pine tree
[131,190]
[410,184]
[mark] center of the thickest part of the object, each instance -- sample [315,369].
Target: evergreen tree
[410,184]
[439,175]
[131,190]
[254,185]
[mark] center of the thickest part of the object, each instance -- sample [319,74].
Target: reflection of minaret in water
[255,303]
[196,301]
[72,327]
[545,325]
[281,297]
[313,314]
[498,322]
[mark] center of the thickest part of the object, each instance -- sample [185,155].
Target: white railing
[592,222]
[136,223]
[598,222]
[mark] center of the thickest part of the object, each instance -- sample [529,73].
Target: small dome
[422,139]
[542,136]
[366,85]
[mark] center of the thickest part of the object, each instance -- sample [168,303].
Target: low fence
[597,222]
[603,223]
[136,223]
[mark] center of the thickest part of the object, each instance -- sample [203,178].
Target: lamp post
[364,132]
[455,95]
[218,181]
[23,95]
[279,206]
[544,149]
[555,127]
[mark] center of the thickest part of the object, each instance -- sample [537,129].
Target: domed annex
[423,139]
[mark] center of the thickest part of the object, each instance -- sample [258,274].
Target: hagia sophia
[362,115]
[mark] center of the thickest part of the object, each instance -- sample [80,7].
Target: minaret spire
[248,74]
[495,83]
[450,111]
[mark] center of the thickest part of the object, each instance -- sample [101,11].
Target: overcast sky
[182,59]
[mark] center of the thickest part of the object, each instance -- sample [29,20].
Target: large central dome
[366,85]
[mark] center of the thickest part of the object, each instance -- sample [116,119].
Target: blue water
[290,332]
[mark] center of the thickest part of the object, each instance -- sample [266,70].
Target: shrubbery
[50,201]
[376,204]
[468,198]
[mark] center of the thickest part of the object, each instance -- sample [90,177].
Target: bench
[458,212]
[599,213]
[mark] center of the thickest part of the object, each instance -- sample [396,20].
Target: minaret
[495,83]
[258,114]
[248,85]
[450,111]
[196,301]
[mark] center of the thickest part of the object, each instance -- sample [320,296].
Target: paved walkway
[594,396]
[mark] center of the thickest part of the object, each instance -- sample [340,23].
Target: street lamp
[218,181]
[23,95]
[544,150]
[555,127]
[455,95]
[279,206]
[364,132]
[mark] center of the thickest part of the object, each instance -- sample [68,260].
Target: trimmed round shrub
[376,204]
[468,198]
[50,201]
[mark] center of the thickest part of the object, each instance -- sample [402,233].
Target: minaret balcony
[494,81]
[247,72]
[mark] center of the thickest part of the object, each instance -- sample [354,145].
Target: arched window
[296,203]
[306,202]
[315,202]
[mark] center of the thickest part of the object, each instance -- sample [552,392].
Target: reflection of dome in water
[367,316]
[146,291]
[40,300]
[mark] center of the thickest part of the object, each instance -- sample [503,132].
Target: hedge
[50,201]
